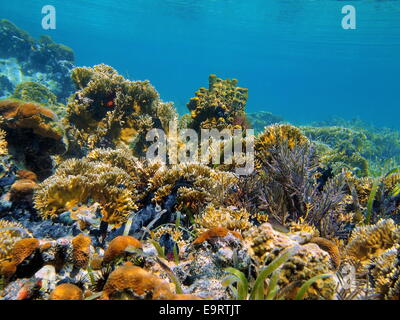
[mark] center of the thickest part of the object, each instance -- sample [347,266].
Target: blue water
[293,55]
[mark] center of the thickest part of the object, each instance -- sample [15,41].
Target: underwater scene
[199,150]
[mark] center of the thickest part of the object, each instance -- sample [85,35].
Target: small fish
[110,104]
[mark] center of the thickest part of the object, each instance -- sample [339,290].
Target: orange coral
[138,280]
[26,174]
[330,247]
[81,250]
[20,114]
[66,291]
[7,269]
[118,245]
[22,188]
[23,249]
[216,232]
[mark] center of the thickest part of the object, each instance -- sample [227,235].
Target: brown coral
[330,247]
[22,189]
[81,250]
[117,247]
[140,282]
[66,291]
[32,134]
[216,232]
[23,249]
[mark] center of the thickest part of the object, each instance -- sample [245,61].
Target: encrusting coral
[66,291]
[117,246]
[138,281]
[216,232]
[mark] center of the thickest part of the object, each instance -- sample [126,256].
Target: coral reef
[78,185]
[110,111]
[25,59]
[265,244]
[221,106]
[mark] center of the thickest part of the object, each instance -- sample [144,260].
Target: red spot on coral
[110,104]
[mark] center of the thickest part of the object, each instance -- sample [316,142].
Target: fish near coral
[140,282]
[81,250]
[66,291]
[217,232]
[117,247]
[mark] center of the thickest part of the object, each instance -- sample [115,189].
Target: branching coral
[109,111]
[82,182]
[32,134]
[195,186]
[230,218]
[291,189]
[275,135]
[220,106]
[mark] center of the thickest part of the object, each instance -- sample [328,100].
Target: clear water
[293,55]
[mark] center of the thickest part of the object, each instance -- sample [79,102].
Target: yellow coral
[230,218]
[3,143]
[265,244]
[220,106]
[371,241]
[77,182]
[196,185]
[275,135]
